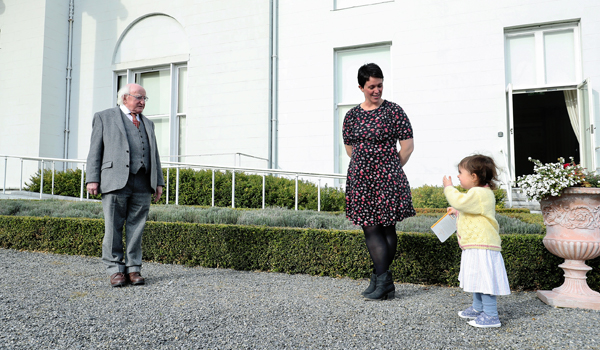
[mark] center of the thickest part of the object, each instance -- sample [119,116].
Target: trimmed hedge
[421,258]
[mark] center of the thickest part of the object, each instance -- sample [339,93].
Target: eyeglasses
[140,97]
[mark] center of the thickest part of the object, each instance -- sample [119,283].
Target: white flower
[550,179]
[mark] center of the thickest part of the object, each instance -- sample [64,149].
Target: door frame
[587,144]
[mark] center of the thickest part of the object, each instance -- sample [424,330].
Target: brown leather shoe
[118,279]
[136,279]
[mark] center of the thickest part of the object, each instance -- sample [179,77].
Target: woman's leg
[392,242]
[377,245]
[490,306]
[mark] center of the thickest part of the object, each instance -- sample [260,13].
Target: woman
[377,190]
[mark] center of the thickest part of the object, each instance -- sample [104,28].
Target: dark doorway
[542,130]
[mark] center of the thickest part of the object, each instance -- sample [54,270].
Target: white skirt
[483,271]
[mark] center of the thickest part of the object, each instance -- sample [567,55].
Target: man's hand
[92,188]
[158,193]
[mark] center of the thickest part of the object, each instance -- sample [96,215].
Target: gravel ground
[50,301]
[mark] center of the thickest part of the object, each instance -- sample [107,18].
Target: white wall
[448,73]
[32,82]
[53,93]
[228,70]
[21,69]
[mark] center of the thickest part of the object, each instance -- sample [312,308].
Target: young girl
[482,269]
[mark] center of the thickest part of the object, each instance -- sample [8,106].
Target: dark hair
[367,71]
[482,166]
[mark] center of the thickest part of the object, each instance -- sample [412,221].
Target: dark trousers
[127,207]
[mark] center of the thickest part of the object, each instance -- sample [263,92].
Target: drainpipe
[69,70]
[273,77]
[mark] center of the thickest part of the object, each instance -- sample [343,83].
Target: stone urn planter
[573,233]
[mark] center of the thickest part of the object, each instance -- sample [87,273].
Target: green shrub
[420,258]
[66,183]
[428,196]
[195,188]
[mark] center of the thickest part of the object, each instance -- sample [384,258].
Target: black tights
[381,243]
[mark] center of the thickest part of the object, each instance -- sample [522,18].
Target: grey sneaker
[469,313]
[485,321]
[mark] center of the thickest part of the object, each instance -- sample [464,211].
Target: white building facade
[266,83]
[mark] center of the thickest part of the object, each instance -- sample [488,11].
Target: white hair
[122,92]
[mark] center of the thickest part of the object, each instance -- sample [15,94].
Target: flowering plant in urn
[551,178]
[570,205]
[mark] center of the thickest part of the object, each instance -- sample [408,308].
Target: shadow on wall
[106,29]
[2,6]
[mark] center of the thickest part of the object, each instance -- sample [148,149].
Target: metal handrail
[177,166]
[42,160]
[262,171]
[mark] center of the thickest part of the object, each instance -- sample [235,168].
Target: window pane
[344,160]
[559,56]
[182,91]
[348,63]
[121,81]
[161,129]
[158,90]
[182,136]
[520,53]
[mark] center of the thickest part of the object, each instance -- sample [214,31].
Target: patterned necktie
[135,121]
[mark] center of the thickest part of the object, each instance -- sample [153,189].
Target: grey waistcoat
[139,147]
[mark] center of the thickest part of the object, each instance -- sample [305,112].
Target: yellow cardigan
[477,227]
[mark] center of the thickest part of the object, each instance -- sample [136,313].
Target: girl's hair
[482,166]
[367,71]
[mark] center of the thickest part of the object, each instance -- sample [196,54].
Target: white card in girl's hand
[445,227]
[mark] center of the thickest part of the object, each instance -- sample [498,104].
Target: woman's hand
[447,181]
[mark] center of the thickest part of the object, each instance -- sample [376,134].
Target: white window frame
[538,32]
[173,116]
[339,120]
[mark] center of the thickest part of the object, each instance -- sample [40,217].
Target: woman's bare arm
[406,149]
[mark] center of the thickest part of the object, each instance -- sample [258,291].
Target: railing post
[177,187]
[42,179]
[5,165]
[82,183]
[53,167]
[233,188]
[263,192]
[213,187]
[21,179]
[319,196]
[167,191]
[296,192]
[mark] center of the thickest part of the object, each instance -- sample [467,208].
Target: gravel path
[52,301]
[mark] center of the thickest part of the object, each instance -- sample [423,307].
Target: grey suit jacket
[108,160]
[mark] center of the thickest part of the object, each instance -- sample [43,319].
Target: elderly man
[124,165]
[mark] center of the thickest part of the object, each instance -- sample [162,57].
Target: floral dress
[377,190]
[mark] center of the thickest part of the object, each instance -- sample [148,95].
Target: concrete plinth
[557,299]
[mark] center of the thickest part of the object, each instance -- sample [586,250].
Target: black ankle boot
[384,288]
[371,288]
